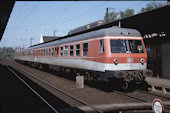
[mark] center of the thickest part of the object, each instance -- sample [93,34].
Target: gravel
[92,95]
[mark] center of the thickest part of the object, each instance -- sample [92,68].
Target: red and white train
[103,54]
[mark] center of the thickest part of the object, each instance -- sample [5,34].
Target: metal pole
[31,40]
[54,33]
[107,15]
[119,23]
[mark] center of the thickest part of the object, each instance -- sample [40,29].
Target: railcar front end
[126,59]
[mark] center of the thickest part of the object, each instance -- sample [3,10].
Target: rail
[63,92]
[36,93]
[166,103]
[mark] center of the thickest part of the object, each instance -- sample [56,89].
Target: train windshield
[118,46]
[126,46]
[135,46]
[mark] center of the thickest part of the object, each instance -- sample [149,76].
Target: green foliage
[152,6]
[126,13]
[112,16]
[122,14]
[6,52]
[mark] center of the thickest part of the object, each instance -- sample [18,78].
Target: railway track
[85,107]
[143,96]
[15,70]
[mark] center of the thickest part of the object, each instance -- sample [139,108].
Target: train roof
[112,31]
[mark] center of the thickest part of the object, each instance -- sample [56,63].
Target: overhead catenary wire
[83,13]
[18,15]
[62,14]
[24,19]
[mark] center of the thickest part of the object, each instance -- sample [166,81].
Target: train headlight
[142,61]
[115,61]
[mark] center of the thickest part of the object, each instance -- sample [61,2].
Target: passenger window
[52,51]
[71,50]
[101,46]
[85,49]
[49,52]
[41,52]
[65,50]
[46,52]
[56,51]
[78,50]
[61,51]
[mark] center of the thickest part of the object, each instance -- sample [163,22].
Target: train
[105,54]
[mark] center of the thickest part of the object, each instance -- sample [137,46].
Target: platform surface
[158,81]
[17,98]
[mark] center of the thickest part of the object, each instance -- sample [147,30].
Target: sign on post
[157,106]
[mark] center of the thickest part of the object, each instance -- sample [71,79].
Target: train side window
[46,52]
[101,46]
[71,50]
[85,49]
[78,50]
[41,52]
[65,50]
[52,51]
[56,51]
[61,51]
[49,52]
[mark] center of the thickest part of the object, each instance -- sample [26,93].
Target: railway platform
[160,85]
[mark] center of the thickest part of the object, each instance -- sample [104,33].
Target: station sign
[157,106]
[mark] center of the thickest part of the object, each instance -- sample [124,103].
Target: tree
[112,16]
[6,52]
[151,6]
[128,12]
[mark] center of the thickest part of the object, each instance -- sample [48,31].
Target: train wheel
[125,85]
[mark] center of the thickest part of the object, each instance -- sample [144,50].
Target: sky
[31,19]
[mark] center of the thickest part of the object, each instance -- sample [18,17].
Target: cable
[19,12]
[24,19]
[62,14]
[79,15]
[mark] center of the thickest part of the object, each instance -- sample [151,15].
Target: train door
[36,55]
